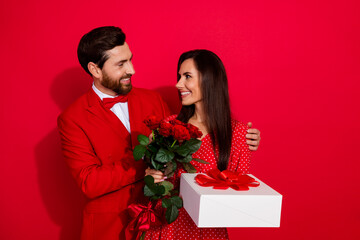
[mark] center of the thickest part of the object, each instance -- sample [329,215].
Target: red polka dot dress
[184,227]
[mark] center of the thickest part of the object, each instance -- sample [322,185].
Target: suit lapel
[136,117]
[97,108]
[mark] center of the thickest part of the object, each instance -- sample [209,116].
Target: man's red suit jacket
[98,149]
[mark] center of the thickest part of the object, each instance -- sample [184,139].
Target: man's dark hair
[215,94]
[93,45]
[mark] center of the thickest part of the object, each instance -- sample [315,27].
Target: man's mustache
[126,76]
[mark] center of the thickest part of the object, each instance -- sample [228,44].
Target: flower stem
[153,135]
[173,143]
[142,236]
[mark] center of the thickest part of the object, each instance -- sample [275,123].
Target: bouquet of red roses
[172,145]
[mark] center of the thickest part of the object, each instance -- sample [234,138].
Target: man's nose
[130,69]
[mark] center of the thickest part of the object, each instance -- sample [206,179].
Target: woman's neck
[199,118]
[199,114]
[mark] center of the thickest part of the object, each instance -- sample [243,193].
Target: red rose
[181,133]
[152,122]
[165,129]
[194,131]
[178,122]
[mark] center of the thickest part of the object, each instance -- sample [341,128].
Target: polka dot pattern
[184,227]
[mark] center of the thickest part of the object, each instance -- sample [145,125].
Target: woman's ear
[94,70]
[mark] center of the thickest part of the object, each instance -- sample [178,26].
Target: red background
[293,68]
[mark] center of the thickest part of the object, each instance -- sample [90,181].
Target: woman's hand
[150,138]
[253,137]
[156,174]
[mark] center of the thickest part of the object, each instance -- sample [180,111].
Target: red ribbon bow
[143,217]
[226,179]
[110,102]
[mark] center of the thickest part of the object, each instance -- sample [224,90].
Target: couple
[99,131]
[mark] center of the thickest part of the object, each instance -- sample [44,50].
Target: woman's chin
[186,103]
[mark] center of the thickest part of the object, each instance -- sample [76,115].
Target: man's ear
[94,70]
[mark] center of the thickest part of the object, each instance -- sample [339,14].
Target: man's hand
[156,174]
[253,137]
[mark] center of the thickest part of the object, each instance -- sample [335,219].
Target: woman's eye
[187,76]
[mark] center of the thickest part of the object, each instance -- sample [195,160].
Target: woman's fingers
[150,137]
[156,174]
[253,138]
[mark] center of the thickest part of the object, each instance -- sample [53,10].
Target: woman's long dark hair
[215,94]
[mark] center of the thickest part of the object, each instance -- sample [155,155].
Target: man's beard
[116,85]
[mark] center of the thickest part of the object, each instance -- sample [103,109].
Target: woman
[203,87]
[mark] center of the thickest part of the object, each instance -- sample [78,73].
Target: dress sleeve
[170,118]
[240,152]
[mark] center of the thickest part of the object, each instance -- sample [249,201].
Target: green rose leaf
[189,147]
[189,167]
[152,189]
[149,180]
[164,156]
[148,191]
[193,145]
[183,150]
[139,152]
[148,154]
[155,198]
[160,190]
[168,187]
[200,160]
[152,148]
[143,140]
[155,191]
[156,165]
[171,213]
[186,159]
[174,192]
[177,201]
[170,169]
[166,203]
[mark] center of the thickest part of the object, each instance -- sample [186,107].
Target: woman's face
[189,83]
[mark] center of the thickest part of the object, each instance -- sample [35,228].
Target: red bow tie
[110,102]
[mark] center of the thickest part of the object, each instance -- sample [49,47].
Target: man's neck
[103,89]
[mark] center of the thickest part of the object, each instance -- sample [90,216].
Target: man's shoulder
[78,107]
[142,92]
[149,101]
[145,96]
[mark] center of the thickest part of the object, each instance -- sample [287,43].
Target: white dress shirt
[119,109]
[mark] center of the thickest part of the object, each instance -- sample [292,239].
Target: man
[100,129]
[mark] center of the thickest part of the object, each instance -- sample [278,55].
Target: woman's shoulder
[170,118]
[237,125]
[239,129]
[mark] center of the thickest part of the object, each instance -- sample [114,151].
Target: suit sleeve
[94,178]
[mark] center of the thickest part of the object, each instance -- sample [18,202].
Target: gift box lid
[258,207]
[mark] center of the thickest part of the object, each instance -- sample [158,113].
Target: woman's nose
[178,84]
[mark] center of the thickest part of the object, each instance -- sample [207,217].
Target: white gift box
[258,207]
